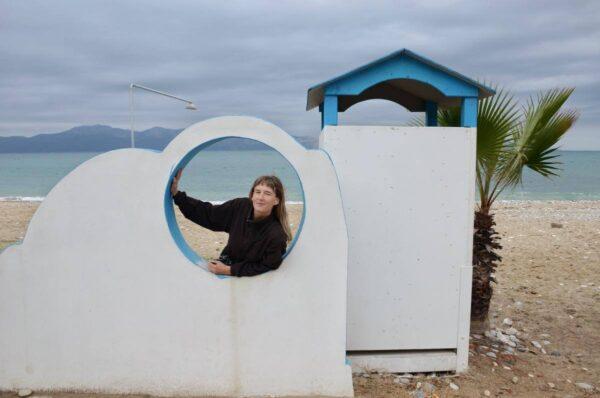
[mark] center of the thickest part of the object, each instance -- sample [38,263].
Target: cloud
[68,63]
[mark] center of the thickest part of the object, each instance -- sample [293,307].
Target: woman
[258,226]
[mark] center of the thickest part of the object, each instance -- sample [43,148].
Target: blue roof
[402,77]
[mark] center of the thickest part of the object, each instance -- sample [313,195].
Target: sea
[220,175]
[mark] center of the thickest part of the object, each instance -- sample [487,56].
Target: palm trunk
[485,260]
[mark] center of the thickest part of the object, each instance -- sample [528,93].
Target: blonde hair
[279,210]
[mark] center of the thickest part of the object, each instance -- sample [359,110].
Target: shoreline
[39,199]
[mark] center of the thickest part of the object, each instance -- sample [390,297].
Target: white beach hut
[408,198]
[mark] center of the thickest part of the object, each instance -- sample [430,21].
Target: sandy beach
[548,291]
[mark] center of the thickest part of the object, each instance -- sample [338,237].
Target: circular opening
[221,170]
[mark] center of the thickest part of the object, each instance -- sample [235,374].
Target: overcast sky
[68,63]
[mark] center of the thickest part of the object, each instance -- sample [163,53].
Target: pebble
[515,380]
[507,321]
[491,354]
[585,386]
[418,394]
[511,331]
[536,344]
[477,336]
[519,304]
[530,375]
[544,335]
[551,385]
[506,367]
[454,387]
[401,380]
[428,387]
[555,353]
[487,393]
[24,393]
[545,342]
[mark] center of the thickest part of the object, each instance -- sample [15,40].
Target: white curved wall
[100,297]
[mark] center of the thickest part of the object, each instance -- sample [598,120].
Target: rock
[543,351]
[419,384]
[511,331]
[454,387]
[487,393]
[24,392]
[491,354]
[522,349]
[401,380]
[555,353]
[551,385]
[490,334]
[477,336]
[545,342]
[518,304]
[428,387]
[585,386]
[536,344]
[555,225]
[418,394]
[545,335]
[530,375]
[507,321]
[514,338]
[515,380]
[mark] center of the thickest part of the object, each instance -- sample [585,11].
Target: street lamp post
[190,105]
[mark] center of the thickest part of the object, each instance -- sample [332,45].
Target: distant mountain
[100,138]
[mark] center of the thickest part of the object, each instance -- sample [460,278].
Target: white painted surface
[99,297]
[408,200]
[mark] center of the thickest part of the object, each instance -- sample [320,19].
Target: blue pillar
[329,112]
[431,110]
[468,112]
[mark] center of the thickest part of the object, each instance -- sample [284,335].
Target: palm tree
[509,139]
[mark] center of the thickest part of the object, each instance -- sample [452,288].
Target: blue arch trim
[170,212]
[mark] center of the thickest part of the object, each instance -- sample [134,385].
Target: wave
[41,198]
[22,198]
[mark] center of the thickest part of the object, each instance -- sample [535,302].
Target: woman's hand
[175,183]
[217,267]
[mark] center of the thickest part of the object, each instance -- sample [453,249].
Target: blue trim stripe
[170,212]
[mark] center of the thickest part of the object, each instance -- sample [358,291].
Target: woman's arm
[213,217]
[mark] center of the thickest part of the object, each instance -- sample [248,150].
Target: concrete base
[403,362]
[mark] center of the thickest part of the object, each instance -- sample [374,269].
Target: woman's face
[264,199]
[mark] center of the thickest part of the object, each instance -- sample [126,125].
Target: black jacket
[254,247]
